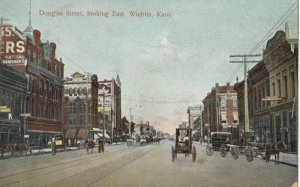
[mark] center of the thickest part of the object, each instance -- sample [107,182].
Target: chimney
[287,32]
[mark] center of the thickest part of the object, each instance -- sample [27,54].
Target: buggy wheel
[235,152]
[173,153]
[249,154]
[223,150]
[194,154]
[201,141]
[209,150]
[129,143]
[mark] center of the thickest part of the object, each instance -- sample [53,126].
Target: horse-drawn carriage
[222,141]
[95,138]
[183,143]
[265,150]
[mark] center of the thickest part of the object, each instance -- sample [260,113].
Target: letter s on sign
[7,31]
[20,47]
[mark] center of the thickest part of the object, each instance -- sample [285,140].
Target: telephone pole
[246,112]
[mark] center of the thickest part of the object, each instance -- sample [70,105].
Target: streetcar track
[91,158]
[73,162]
[122,166]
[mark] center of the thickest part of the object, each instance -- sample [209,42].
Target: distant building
[193,113]
[109,103]
[221,111]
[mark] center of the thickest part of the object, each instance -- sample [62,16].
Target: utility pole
[246,112]
[130,122]
[103,114]
[86,103]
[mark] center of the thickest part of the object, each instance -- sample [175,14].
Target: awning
[82,133]
[223,117]
[235,116]
[71,133]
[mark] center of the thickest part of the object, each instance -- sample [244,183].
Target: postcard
[149,93]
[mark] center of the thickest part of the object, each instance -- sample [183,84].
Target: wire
[275,26]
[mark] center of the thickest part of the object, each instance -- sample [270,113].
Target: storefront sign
[13,45]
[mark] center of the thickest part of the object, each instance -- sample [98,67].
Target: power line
[275,26]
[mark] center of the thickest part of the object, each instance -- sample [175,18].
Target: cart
[183,144]
[222,141]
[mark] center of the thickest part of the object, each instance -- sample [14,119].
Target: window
[41,87]
[285,86]
[279,87]
[293,85]
[273,88]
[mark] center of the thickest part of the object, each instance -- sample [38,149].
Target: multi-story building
[259,118]
[26,52]
[195,121]
[80,105]
[193,113]
[281,59]
[220,111]
[109,106]
[13,86]
[273,90]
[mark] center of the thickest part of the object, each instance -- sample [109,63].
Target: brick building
[26,52]
[13,86]
[220,111]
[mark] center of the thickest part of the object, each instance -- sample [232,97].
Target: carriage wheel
[209,150]
[194,154]
[235,152]
[249,154]
[201,141]
[223,150]
[173,153]
[129,144]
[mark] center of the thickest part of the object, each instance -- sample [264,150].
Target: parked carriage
[222,141]
[183,143]
[265,150]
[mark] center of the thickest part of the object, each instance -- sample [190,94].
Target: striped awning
[235,116]
[223,117]
[71,133]
[81,133]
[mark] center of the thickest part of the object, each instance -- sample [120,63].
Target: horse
[8,148]
[275,149]
[20,148]
[89,144]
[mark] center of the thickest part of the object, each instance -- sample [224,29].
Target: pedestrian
[53,146]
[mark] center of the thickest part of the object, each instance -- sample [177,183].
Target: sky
[165,63]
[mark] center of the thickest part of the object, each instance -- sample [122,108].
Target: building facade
[273,91]
[80,105]
[220,111]
[109,106]
[281,59]
[26,52]
[13,87]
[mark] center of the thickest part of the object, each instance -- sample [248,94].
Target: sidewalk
[289,159]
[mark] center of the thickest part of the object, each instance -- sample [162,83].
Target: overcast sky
[165,63]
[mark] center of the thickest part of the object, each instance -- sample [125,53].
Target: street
[148,165]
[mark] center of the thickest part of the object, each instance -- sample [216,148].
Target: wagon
[183,144]
[59,142]
[222,141]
